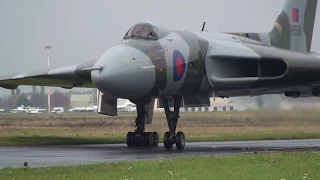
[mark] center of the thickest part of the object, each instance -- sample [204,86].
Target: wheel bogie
[178,139]
[145,139]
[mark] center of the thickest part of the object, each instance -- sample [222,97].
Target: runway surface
[85,154]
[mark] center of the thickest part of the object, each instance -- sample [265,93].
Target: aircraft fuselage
[186,63]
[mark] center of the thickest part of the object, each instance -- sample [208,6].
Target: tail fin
[293,29]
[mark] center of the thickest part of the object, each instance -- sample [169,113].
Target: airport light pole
[49,104]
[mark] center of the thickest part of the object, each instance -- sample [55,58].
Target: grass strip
[59,129]
[277,166]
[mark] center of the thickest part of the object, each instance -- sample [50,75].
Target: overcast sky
[81,30]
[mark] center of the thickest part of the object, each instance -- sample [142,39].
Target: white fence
[201,109]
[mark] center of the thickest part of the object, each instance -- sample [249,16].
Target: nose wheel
[170,138]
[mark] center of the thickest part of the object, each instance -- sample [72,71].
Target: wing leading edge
[65,77]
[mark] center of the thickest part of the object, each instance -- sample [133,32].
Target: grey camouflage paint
[65,77]
[287,34]
[140,69]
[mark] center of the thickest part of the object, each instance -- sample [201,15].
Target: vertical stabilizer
[293,28]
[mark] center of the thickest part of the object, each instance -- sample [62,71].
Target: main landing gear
[171,137]
[151,139]
[139,137]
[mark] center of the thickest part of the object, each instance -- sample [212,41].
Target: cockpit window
[142,31]
[152,34]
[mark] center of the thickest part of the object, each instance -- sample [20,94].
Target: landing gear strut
[171,137]
[139,137]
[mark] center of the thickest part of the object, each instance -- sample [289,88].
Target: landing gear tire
[180,141]
[148,139]
[130,139]
[155,139]
[167,141]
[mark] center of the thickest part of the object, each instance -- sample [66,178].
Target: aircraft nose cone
[127,73]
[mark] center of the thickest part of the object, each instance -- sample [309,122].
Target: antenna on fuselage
[204,23]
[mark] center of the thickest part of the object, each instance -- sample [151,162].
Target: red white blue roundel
[179,65]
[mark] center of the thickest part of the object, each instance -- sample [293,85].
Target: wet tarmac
[85,154]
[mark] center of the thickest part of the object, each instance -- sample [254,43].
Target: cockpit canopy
[146,30]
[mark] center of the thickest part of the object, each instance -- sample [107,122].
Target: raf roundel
[179,65]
